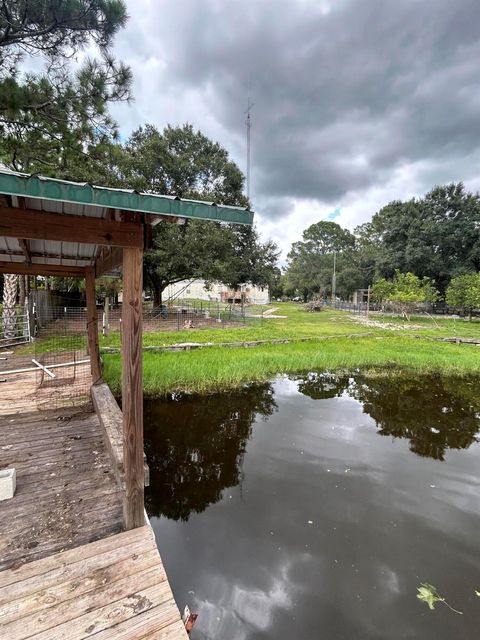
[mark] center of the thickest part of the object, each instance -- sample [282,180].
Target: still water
[313,507]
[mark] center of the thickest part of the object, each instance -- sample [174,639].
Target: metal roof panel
[51,191]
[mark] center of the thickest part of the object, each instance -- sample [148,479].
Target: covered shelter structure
[52,227]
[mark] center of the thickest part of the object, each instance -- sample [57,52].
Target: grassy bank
[218,369]
[336,342]
[296,324]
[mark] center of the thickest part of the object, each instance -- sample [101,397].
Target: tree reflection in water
[195,447]
[434,413]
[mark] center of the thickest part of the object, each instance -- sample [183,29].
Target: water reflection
[195,447]
[326,529]
[434,413]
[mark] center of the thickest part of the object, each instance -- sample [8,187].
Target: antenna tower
[248,123]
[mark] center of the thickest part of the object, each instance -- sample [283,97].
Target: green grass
[336,343]
[218,369]
[297,324]
[54,344]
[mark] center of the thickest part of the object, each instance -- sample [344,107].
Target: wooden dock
[77,559]
[114,588]
[67,570]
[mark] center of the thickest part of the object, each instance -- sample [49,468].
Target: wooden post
[368,301]
[132,388]
[92,325]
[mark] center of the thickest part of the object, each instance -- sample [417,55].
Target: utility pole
[334,277]
[248,123]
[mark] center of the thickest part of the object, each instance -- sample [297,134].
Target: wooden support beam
[92,326]
[109,259]
[132,388]
[25,250]
[62,271]
[35,225]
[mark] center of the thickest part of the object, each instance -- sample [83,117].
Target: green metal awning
[30,241]
[32,186]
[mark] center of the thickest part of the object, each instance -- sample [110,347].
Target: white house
[218,292]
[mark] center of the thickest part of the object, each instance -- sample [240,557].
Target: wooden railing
[111,420]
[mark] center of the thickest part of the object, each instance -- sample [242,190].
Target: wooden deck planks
[67,570]
[23,392]
[115,588]
[66,491]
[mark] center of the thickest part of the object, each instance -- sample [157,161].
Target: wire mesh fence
[54,370]
[14,329]
[363,308]
[182,315]
[61,349]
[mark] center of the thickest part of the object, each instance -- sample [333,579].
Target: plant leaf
[428,593]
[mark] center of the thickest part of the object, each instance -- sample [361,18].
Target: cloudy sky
[356,102]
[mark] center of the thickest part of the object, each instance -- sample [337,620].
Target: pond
[314,506]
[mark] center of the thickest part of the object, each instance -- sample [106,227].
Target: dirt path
[268,314]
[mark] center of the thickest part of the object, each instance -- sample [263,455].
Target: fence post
[105,316]
[92,326]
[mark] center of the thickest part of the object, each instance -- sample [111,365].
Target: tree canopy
[405,290]
[184,162]
[56,26]
[435,237]
[51,121]
[464,291]
[311,261]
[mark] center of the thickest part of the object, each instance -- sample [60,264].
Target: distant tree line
[435,238]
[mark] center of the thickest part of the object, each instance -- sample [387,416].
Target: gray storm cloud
[345,92]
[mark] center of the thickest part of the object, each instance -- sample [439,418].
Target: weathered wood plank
[73,515]
[125,593]
[16,433]
[43,437]
[159,622]
[111,419]
[74,490]
[132,389]
[35,225]
[64,571]
[112,589]
[36,269]
[66,492]
[51,547]
[79,585]
[71,556]
[124,608]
